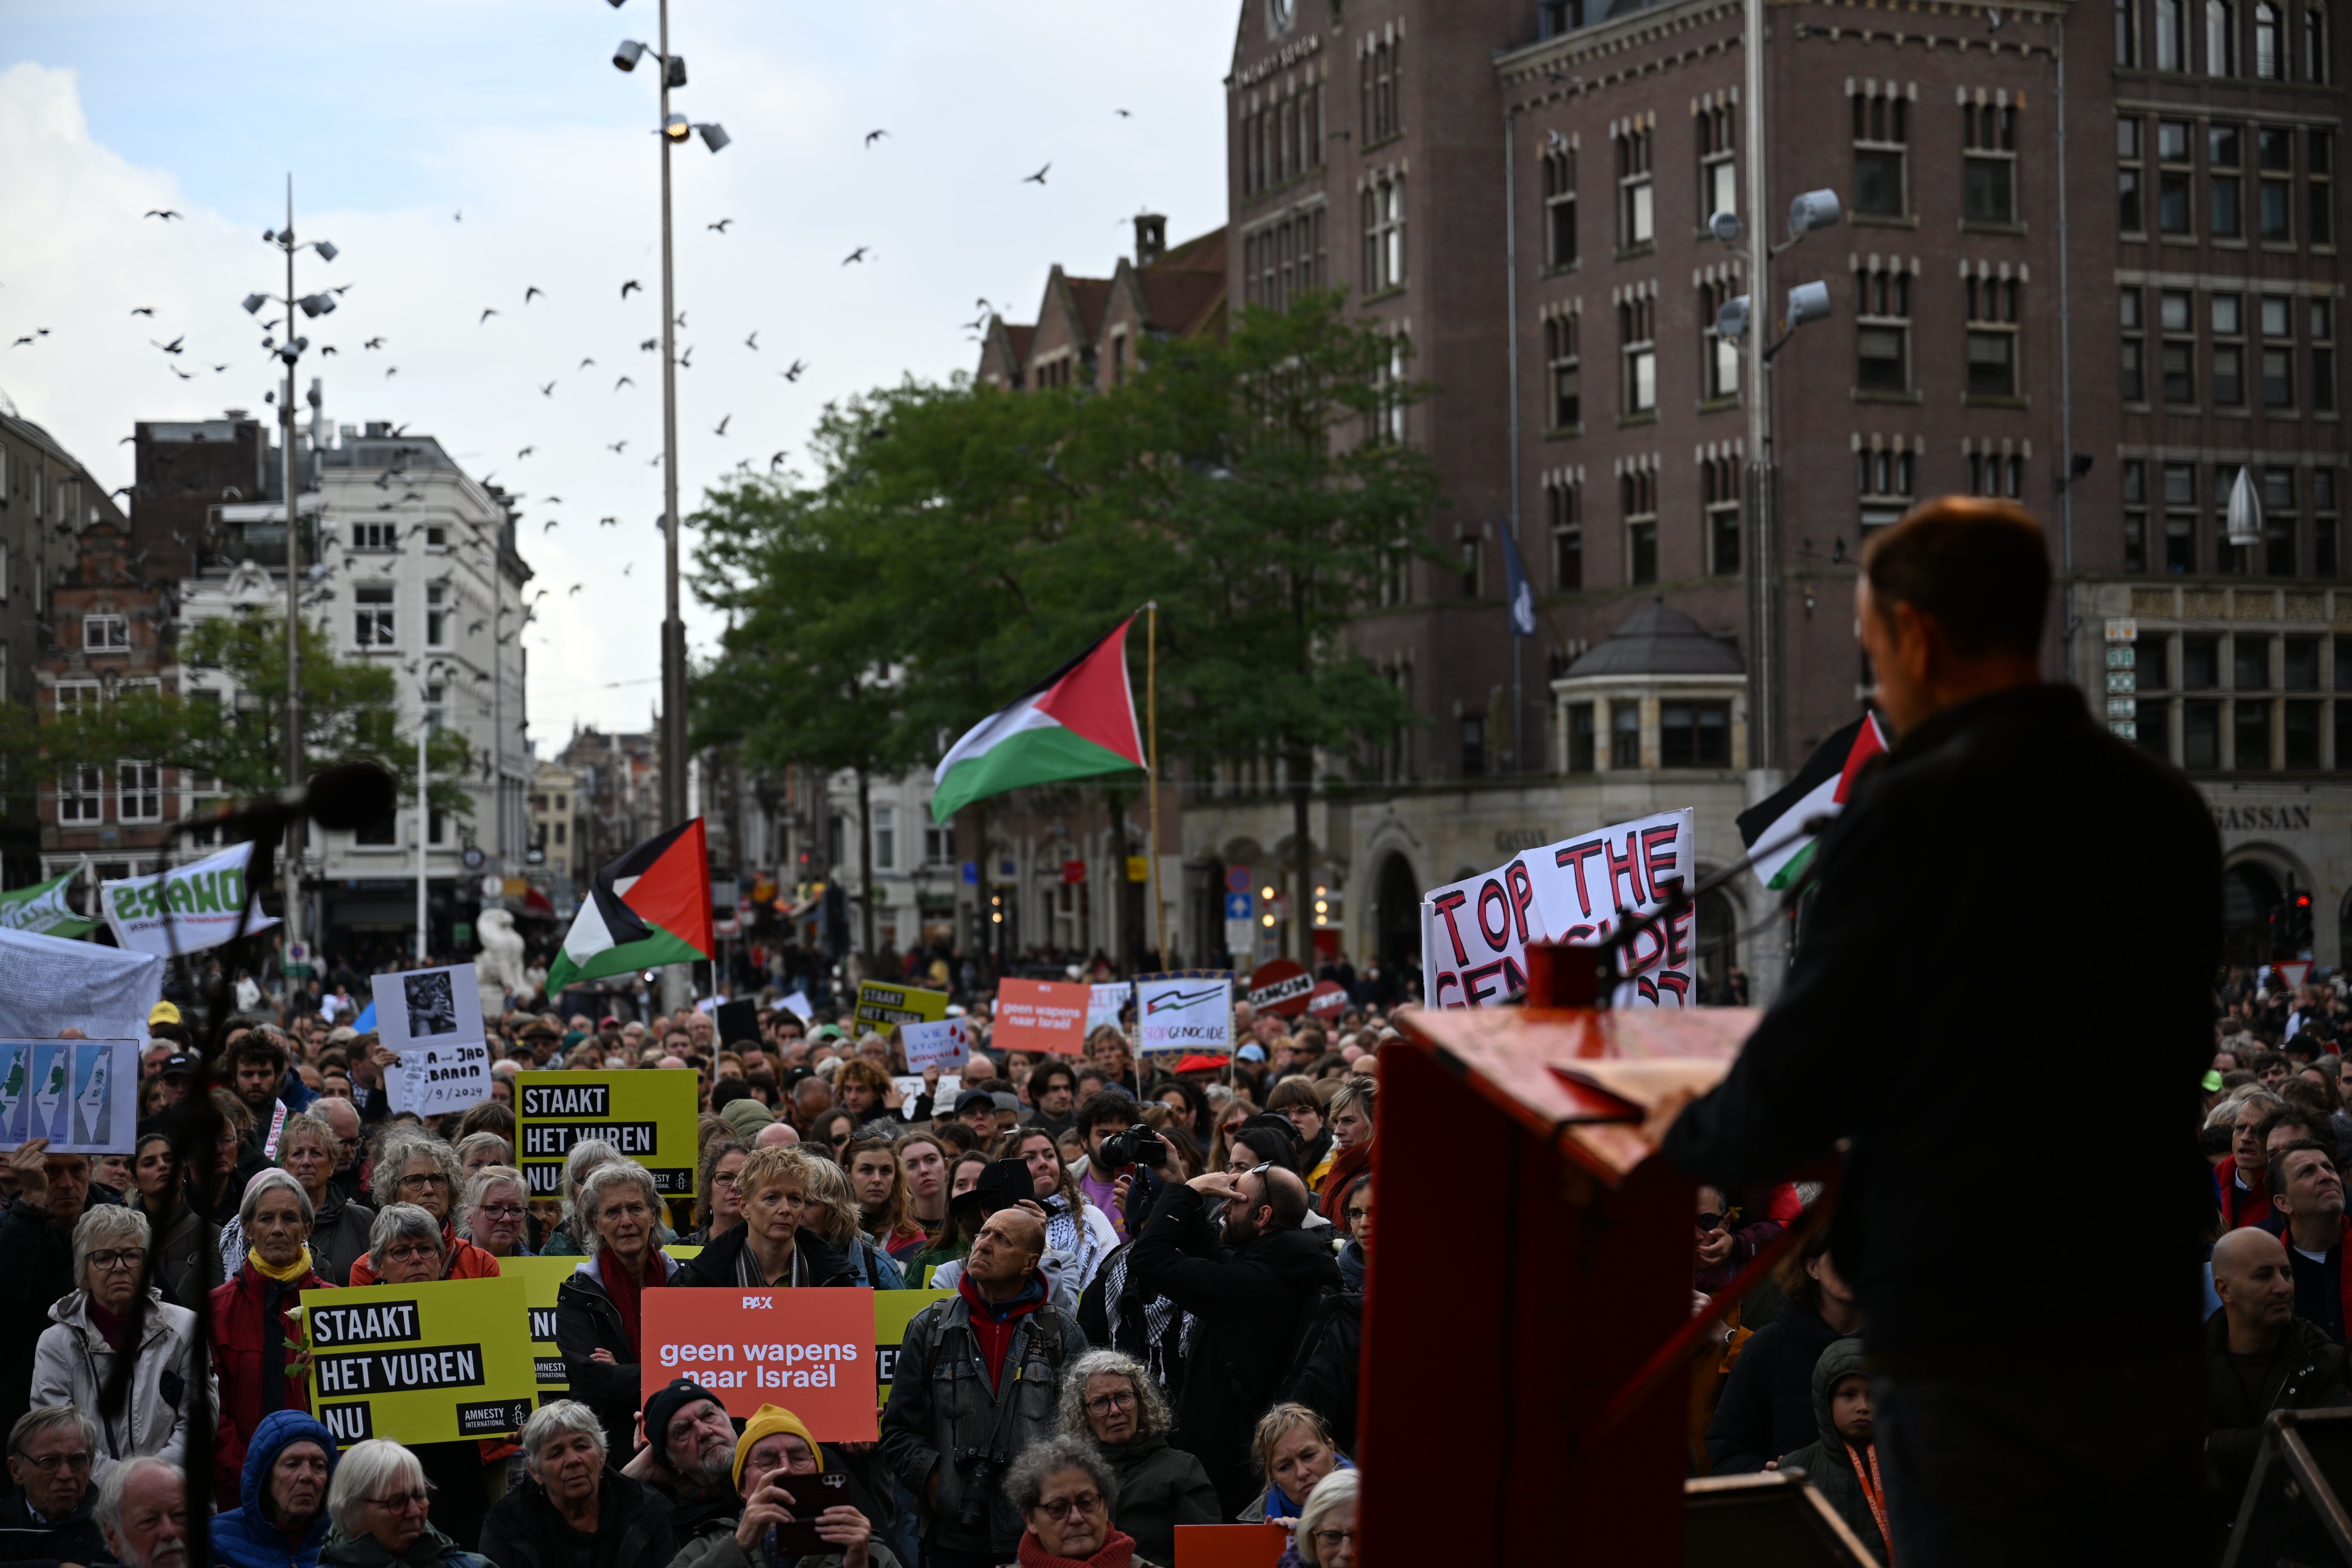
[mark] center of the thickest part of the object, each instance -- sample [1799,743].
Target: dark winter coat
[244,1537]
[714,1267]
[1330,1357]
[585,1322]
[2307,1373]
[248,1316]
[1766,1406]
[524,1529]
[75,1538]
[1252,1303]
[39,1269]
[339,1237]
[1159,1488]
[1906,923]
[1826,1461]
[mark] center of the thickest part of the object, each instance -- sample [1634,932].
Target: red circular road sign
[1281,986]
[1328,1000]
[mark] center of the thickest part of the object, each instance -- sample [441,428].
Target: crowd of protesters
[1157,1269]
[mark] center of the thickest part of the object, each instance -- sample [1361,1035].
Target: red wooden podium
[1522,1400]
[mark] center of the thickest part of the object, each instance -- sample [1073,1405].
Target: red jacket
[240,1334]
[466,1261]
[2250,1206]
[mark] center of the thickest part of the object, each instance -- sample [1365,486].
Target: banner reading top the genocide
[439,1361]
[648,1115]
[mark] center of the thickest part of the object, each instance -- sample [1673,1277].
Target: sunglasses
[1710,1221]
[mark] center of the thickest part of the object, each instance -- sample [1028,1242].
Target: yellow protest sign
[648,1116]
[541,1279]
[893,1310]
[432,1362]
[880,1006]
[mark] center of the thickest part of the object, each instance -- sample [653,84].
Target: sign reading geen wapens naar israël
[439,1361]
[811,1351]
[646,1116]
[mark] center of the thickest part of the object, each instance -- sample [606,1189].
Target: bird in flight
[873,136]
[624,381]
[1122,113]
[608,522]
[372,344]
[649,345]
[458,217]
[627,569]
[720,428]
[752,342]
[330,349]
[857,255]
[632,283]
[143,310]
[1036,179]
[531,292]
[720,226]
[526,452]
[618,445]
[174,346]
[586,362]
[20,343]
[550,525]
[390,370]
[346,289]
[547,391]
[681,320]
[776,462]
[573,589]
[794,374]
[166,214]
[554,501]
[686,360]
[218,368]
[486,316]
[182,374]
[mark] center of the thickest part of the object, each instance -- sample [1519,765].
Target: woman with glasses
[250,1322]
[1065,1492]
[495,1213]
[831,1132]
[416,1168]
[73,1360]
[1327,1529]
[309,1151]
[1110,1400]
[383,1512]
[572,1508]
[717,1207]
[409,1246]
[600,1310]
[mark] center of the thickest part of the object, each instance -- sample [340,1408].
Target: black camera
[979,1468]
[1136,1146]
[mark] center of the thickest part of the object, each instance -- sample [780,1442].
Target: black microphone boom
[346,796]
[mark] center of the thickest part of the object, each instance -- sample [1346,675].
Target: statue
[499,967]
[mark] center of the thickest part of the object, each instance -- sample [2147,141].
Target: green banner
[42,910]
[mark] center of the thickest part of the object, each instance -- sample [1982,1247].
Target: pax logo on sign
[1475,936]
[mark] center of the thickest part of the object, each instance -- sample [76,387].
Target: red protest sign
[1281,986]
[1041,1016]
[1230,1545]
[1326,1001]
[810,1351]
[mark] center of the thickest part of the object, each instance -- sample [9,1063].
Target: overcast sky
[458,152]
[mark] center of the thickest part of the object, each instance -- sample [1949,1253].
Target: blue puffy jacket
[245,1537]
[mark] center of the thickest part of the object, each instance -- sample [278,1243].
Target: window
[1637,496]
[2319,174]
[2172,156]
[1993,336]
[1388,415]
[2278,527]
[2135,488]
[558,833]
[1886,480]
[1988,168]
[1279,263]
[375,535]
[1719,487]
[1881,133]
[2131,214]
[1997,474]
[2299,665]
[1719,167]
[436,614]
[1383,68]
[939,843]
[2249,726]
[81,796]
[2276,149]
[138,792]
[1559,207]
[2228,314]
[2130,307]
[2269,63]
[2326,559]
[1564,504]
[2300,735]
[1582,755]
[2220,37]
[1561,332]
[1636,218]
[2200,663]
[2314,44]
[1624,736]
[2222,185]
[373,616]
[2171,35]
[886,839]
[1384,234]
[1470,560]
[105,633]
[436,709]
[2126,32]
[2180,526]
[1693,734]
[1474,745]
[1636,323]
[1883,328]
[2200,736]
[2278,352]
[2178,354]
[1718,355]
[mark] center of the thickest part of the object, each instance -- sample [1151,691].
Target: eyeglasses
[502,1211]
[1325,1539]
[400,1502]
[1110,1401]
[423,1184]
[126,1258]
[718,1180]
[1710,1221]
[416,1254]
[1070,1507]
[48,1463]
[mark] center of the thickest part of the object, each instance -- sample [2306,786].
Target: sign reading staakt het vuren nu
[439,1361]
[647,1116]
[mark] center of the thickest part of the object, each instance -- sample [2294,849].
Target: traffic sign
[1237,907]
[1238,880]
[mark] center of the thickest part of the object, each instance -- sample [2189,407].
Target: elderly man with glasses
[47,1518]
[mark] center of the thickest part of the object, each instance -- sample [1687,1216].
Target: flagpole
[1151,724]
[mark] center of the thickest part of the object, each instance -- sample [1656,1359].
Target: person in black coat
[1766,1406]
[572,1509]
[1962,858]
[1251,1290]
[36,1245]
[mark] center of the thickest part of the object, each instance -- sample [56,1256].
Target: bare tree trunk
[865,867]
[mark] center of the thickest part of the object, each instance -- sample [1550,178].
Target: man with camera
[978,1379]
[1250,1288]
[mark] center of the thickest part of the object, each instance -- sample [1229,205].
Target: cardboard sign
[893,1310]
[944,1043]
[435,1362]
[1184,1012]
[80,1095]
[541,1279]
[1230,1545]
[1109,1003]
[911,1086]
[880,1006]
[811,1351]
[185,909]
[1475,936]
[648,1115]
[432,1020]
[1586,886]
[1041,1016]
[1281,986]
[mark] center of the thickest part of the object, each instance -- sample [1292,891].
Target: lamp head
[674,72]
[1808,302]
[326,249]
[1725,226]
[676,128]
[1731,321]
[714,136]
[253,303]
[316,304]
[1814,209]
[627,54]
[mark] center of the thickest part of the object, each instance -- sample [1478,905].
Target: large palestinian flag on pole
[1077,723]
[649,908]
[1774,829]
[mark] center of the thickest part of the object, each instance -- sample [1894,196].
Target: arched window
[2220,37]
[2268,64]
[2314,44]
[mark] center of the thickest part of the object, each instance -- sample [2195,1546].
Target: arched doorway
[2252,906]
[1399,931]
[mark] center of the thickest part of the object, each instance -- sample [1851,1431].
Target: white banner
[1107,1001]
[80,1095]
[1184,1013]
[941,1045]
[1473,939]
[432,1019]
[185,909]
[51,984]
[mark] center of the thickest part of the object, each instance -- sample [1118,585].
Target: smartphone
[811,1496]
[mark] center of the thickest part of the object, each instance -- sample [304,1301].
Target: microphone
[345,796]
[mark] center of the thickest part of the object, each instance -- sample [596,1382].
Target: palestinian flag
[1774,829]
[1077,723]
[649,908]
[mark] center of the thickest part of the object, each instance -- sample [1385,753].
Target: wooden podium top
[1602,1085]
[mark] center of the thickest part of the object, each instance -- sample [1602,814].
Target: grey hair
[41,1418]
[305,1124]
[401,1147]
[614,1174]
[401,1222]
[106,1513]
[2226,1114]
[269,1179]
[485,1141]
[1025,1483]
[364,1468]
[585,1156]
[106,1225]
[483,1180]
[1333,1492]
[1150,1405]
[552,1420]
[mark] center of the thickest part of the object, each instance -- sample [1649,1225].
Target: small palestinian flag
[1077,723]
[649,908]
[1774,829]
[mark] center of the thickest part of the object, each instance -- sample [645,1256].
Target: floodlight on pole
[714,136]
[1731,321]
[626,55]
[1814,209]
[317,304]
[2245,512]
[676,128]
[253,303]
[1808,302]
[673,70]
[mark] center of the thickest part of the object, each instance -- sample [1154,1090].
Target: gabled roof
[1205,252]
[1088,296]
[1178,302]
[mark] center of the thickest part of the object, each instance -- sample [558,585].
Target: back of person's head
[1271,1139]
[1978,568]
[1287,1196]
[2305,1095]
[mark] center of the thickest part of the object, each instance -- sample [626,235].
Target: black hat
[666,1403]
[1002,1183]
[972,1096]
[180,1064]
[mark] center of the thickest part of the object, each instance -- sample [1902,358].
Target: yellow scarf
[285,1276]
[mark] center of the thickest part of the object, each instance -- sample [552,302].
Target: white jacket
[72,1362]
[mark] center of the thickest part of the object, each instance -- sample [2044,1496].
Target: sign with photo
[647,1115]
[80,1095]
[432,1020]
[441,1362]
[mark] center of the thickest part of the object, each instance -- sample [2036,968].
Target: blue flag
[1522,596]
